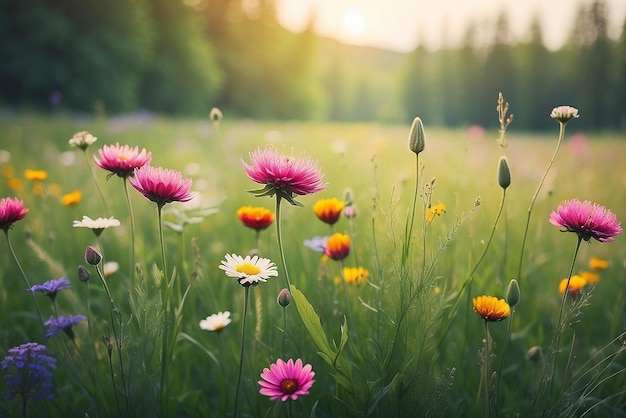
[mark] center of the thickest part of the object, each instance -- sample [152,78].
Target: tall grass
[399,348]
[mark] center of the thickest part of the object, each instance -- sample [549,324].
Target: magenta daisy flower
[283,175]
[286,381]
[11,210]
[122,160]
[587,219]
[162,185]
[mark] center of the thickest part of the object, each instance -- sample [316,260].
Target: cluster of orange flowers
[38,177]
[578,281]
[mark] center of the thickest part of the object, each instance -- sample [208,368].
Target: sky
[399,24]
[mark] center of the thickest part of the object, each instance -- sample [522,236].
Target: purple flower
[51,287]
[162,185]
[28,372]
[317,243]
[63,323]
[588,220]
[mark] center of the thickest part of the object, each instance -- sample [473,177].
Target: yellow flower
[15,184]
[328,210]
[435,210]
[338,246]
[490,308]
[35,175]
[72,198]
[255,217]
[355,275]
[590,276]
[38,190]
[575,284]
[596,263]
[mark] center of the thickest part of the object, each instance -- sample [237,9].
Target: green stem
[506,344]
[534,198]
[243,335]
[284,328]
[165,315]
[280,241]
[95,180]
[131,272]
[486,362]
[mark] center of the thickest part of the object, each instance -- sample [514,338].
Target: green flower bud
[512,293]
[416,136]
[83,274]
[504,174]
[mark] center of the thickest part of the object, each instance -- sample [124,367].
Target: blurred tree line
[186,56]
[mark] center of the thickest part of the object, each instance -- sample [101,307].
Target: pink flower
[162,185]
[11,210]
[587,219]
[286,380]
[122,160]
[283,174]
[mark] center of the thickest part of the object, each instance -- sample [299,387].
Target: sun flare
[354,22]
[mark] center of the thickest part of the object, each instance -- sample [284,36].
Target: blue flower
[32,377]
[63,323]
[51,287]
[317,243]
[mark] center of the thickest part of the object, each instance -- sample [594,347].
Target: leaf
[380,393]
[312,323]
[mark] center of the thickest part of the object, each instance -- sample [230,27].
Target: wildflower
[328,210]
[255,217]
[284,298]
[216,322]
[283,175]
[590,276]
[588,220]
[504,173]
[83,274]
[8,171]
[512,293]
[534,354]
[416,136]
[350,211]
[122,160]
[32,378]
[162,185]
[11,210]
[35,175]
[490,308]
[92,256]
[215,115]
[110,268]
[317,243]
[576,282]
[63,323]
[52,287]
[96,225]
[564,113]
[72,198]
[15,184]
[337,246]
[596,263]
[435,210]
[355,275]
[82,140]
[286,381]
[248,271]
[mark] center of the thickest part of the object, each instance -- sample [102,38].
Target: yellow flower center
[248,269]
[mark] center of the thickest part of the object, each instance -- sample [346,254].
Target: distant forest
[185,57]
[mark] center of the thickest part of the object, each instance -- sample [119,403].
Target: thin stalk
[241,353]
[131,273]
[534,198]
[284,328]
[486,362]
[165,315]
[506,344]
[280,242]
[95,180]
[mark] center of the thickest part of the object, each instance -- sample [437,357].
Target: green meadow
[407,342]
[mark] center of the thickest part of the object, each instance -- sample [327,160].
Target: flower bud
[504,174]
[92,257]
[215,115]
[348,196]
[512,293]
[83,274]
[416,136]
[534,354]
[284,298]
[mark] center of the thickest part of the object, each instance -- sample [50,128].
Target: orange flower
[255,217]
[328,210]
[490,308]
[15,184]
[575,284]
[590,276]
[72,198]
[596,263]
[35,175]
[337,246]
[355,275]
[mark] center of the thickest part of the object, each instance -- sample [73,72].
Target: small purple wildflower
[63,323]
[32,377]
[51,287]
[317,243]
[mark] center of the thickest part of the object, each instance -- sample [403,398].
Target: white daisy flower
[82,140]
[564,113]
[110,268]
[97,225]
[216,322]
[248,271]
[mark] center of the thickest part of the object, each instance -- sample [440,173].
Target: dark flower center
[289,386]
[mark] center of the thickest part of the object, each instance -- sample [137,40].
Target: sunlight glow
[354,22]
